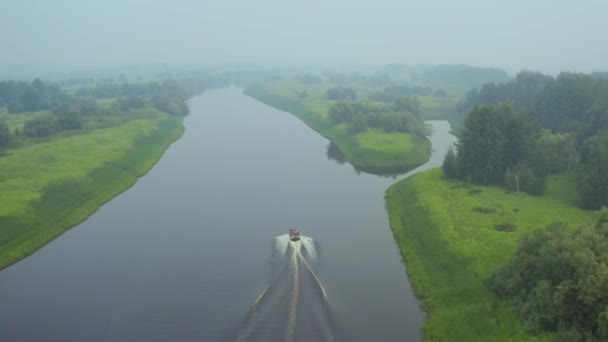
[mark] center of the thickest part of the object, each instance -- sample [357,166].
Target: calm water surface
[184,254]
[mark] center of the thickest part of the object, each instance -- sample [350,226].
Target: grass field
[17,120]
[53,185]
[372,151]
[447,235]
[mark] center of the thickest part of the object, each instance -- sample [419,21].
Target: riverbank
[453,236]
[373,151]
[51,186]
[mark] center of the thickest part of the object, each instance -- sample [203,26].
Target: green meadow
[16,121]
[49,186]
[373,151]
[452,238]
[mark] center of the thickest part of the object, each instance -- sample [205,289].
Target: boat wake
[294,307]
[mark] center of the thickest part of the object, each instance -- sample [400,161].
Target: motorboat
[294,234]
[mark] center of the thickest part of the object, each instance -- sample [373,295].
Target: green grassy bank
[372,151]
[50,186]
[450,237]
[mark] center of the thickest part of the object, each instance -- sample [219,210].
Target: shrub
[484,210]
[5,134]
[505,227]
[41,126]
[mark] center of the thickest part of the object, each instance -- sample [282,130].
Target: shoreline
[345,144]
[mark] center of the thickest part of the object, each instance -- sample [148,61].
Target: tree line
[391,93]
[403,115]
[20,96]
[67,112]
[549,125]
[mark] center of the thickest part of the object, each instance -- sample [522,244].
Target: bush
[557,280]
[341,93]
[70,120]
[505,227]
[41,126]
[484,210]
[450,166]
[5,134]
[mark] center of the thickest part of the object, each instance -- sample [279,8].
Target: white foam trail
[291,319]
[309,247]
[297,251]
[281,243]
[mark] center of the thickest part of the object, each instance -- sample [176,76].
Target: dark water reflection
[184,254]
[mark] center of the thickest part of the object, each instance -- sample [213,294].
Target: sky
[515,34]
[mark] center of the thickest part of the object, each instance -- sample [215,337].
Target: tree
[602,322]
[557,279]
[358,125]
[494,149]
[450,166]
[41,126]
[5,134]
[593,185]
[481,146]
[341,112]
[522,177]
[70,120]
[341,93]
[409,104]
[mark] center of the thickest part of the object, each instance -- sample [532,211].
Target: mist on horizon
[74,34]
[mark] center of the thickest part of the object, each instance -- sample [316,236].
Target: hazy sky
[536,34]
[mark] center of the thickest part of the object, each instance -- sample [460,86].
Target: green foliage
[341,93]
[408,104]
[557,280]
[451,168]
[301,94]
[41,126]
[593,185]
[51,186]
[372,150]
[21,96]
[602,325]
[505,227]
[575,107]
[451,250]
[388,118]
[484,210]
[78,105]
[358,125]
[5,134]
[392,93]
[128,103]
[555,152]
[107,89]
[521,177]
[494,149]
[70,120]
[171,99]
[175,105]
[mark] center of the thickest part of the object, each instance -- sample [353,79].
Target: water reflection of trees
[392,171]
[334,153]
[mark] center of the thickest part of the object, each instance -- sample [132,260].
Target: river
[185,253]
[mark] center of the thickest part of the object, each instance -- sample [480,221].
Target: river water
[188,251]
